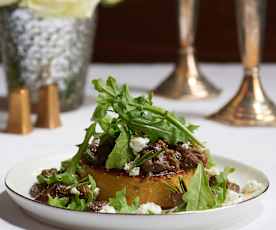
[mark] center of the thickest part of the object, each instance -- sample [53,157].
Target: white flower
[107,209]
[149,208]
[252,187]
[62,8]
[138,143]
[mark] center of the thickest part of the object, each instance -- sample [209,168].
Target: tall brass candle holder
[187,81]
[250,106]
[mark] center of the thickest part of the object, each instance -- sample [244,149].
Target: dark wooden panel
[137,30]
[146,31]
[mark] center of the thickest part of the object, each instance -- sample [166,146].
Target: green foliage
[140,115]
[74,202]
[120,154]
[77,204]
[199,195]
[119,202]
[58,202]
[62,178]
[220,187]
[90,131]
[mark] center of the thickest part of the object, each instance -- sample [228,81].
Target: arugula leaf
[90,131]
[77,204]
[63,178]
[58,202]
[120,154]
[74,203]
[199,195]
[68,175]
[119,202]
[100,111]
[220,186]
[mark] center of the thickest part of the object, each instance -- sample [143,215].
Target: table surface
[254,146]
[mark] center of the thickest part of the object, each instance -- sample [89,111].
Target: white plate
[19,180]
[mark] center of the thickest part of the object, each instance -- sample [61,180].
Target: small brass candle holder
[19,114]
[250,106]
[48,109]
[187,81]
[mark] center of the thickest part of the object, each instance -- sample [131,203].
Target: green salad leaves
[140,115]
[201,195]
[136,116]
[120,153]
[75,201]
[119,202]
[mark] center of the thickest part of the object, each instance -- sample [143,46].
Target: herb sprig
[147,156]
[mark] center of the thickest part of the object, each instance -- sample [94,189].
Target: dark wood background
[146,31]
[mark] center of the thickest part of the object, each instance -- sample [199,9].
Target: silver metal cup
[40,51]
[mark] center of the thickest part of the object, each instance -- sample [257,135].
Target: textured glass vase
[39,51]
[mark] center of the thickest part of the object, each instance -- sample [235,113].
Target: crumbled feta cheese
[212,171]
[127,166]
[252,187]
[112,114]
[74,191]
[134,172]
[149,208]
[138,143]
[97,191]
[233,198]
[186,145]
[107,209]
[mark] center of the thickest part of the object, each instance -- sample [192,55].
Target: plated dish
[136,159]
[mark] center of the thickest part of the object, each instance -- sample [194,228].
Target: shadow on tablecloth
[13,215]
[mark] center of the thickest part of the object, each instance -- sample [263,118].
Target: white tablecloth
[254,146]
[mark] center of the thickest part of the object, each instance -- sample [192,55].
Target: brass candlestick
[48,107]
[187,81]
[19,115]
[250,106]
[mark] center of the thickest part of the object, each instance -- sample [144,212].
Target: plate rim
[253,198]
